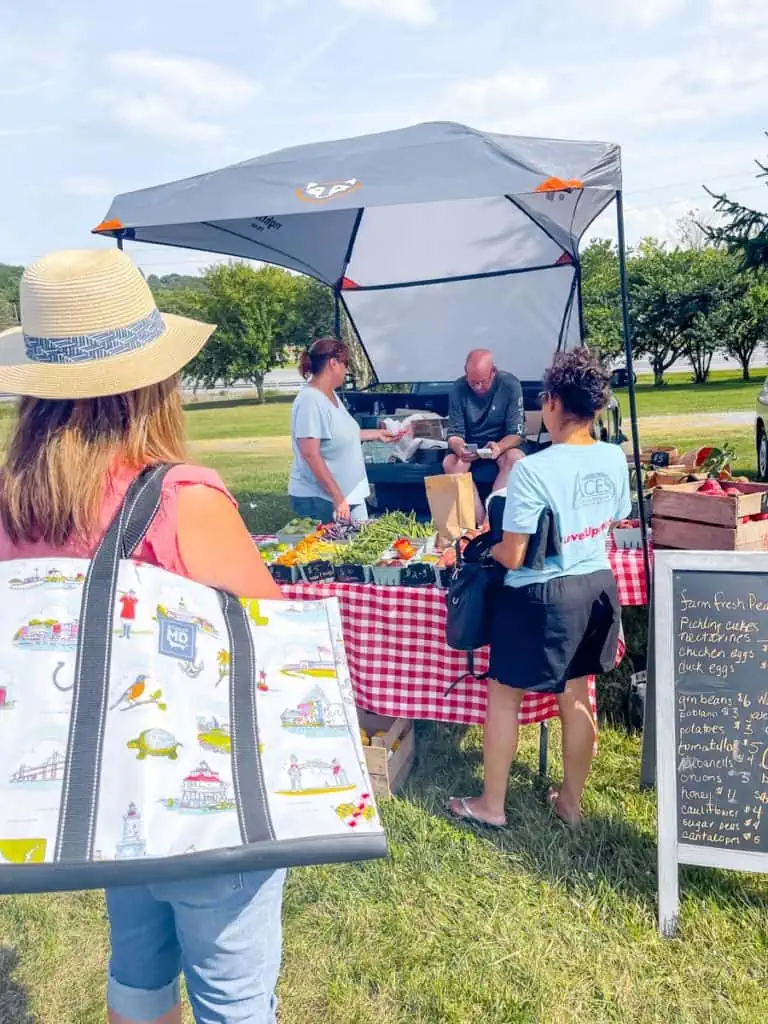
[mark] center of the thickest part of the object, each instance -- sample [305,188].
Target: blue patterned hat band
[84,348]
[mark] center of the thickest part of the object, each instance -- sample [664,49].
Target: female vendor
[328,478]
[556,625]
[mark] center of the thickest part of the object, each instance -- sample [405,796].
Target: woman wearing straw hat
[96,366]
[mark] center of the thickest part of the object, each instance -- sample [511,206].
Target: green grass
[742,441]
[724,392]
[243,418]
[535,925]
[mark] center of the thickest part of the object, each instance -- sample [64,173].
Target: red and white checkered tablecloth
[628,568]
[399,662]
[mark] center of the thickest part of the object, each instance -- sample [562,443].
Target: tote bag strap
[143,503]
[90,691]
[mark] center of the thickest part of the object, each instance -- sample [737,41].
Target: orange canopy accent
[108,225]
[558,185]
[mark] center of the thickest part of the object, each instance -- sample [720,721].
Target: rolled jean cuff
[141,1004]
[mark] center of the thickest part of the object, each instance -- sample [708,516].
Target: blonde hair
[61,450]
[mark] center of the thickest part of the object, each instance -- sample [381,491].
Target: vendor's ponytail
[315,359]
[305,364]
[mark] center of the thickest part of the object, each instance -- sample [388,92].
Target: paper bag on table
[452,504]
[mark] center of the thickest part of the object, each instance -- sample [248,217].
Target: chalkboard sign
[711,666]
[660,459]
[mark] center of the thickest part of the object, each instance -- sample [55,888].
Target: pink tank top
[160,546]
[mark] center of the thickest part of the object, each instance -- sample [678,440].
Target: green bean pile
[379,534]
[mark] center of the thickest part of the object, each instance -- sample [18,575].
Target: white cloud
[179,98]
[414,12]
[88,186]
[268,8]
[503,88]
[646,13]
[742,14]
[713,75]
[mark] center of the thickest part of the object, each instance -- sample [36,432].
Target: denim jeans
[322,509]
[223,932]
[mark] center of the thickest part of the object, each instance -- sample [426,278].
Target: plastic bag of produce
[407,445]
[452,504]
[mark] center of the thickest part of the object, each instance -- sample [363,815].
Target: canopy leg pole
[631,387]
[336,314]
[120,242]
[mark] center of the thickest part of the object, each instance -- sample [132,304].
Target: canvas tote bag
[155,729]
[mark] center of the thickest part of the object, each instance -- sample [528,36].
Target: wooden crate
[684,518]
[388,768]
[665,454]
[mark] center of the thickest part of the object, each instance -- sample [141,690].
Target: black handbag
[470,595]
[478,577]
[469,602]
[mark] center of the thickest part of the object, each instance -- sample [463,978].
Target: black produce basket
[283,573]
[353,574]
[418,574]
[320,571]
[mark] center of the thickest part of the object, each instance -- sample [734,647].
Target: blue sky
[95,101]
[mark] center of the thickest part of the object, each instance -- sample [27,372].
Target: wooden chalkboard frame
[670,852]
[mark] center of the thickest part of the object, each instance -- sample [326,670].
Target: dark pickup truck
[400,485]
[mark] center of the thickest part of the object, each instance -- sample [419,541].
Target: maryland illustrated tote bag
[152,728]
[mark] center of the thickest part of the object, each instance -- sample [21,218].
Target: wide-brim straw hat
[90,327]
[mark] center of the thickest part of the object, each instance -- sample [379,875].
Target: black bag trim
[266,856]
[253,813]
[90,691]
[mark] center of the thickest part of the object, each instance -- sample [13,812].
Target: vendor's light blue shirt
[586,487]
[315,415]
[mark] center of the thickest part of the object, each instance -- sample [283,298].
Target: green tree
[189,302]
[662,307]
[254,311]
[715,286]
[747,323]
[745,231]
[176,282]
[601,298]
[313,313]
[7,314]
[10,279]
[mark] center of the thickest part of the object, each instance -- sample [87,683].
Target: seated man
[486,410]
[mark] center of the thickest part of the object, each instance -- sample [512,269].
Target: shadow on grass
[264,512]
[686,386]
[14,1003]
[606,853]
[270,398]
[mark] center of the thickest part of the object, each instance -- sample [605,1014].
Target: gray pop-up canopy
[437,238]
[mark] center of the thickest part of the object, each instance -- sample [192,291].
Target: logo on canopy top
[323,192]
[558,188]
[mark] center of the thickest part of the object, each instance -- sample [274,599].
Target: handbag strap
[469,674]
[90,690]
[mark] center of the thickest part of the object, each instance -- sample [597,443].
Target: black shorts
[546,633]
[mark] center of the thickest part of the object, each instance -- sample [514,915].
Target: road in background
[760,362]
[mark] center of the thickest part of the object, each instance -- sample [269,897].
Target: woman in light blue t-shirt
[556,621]
[328,478]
